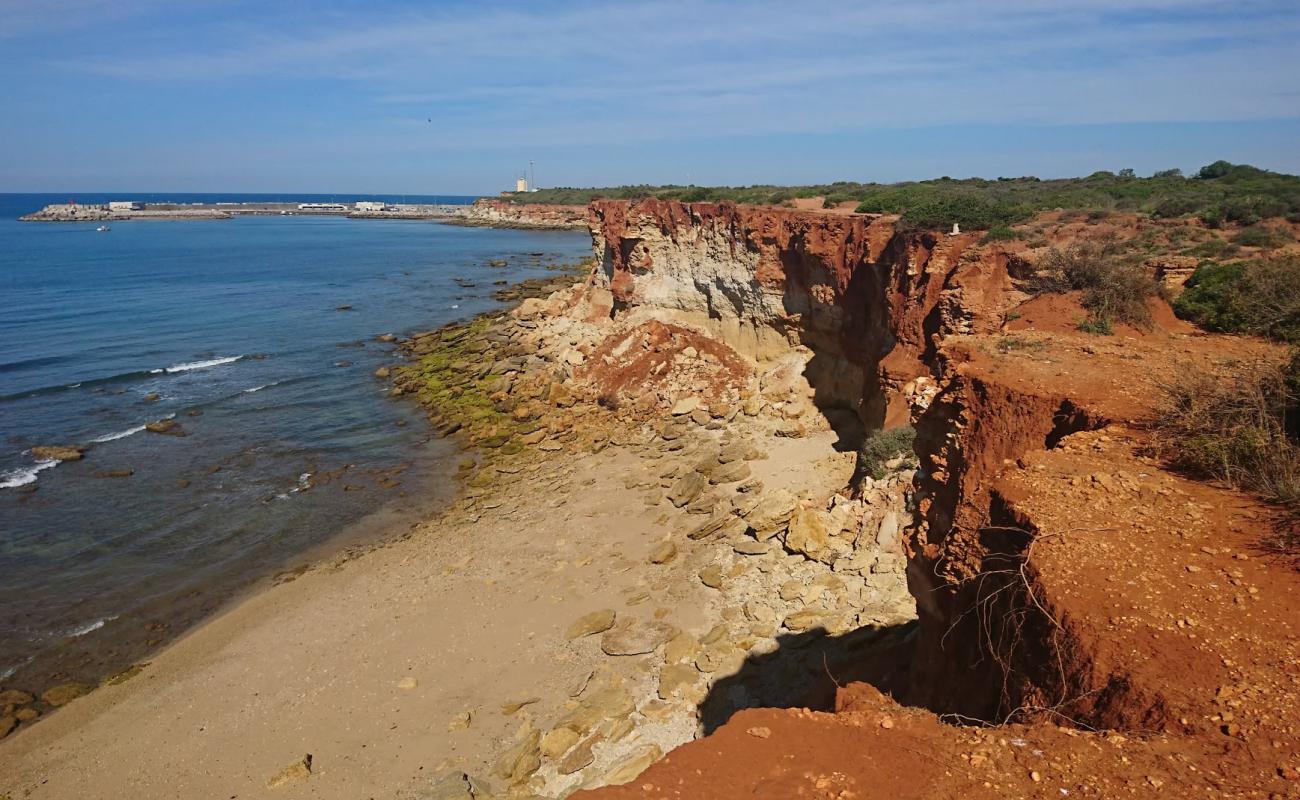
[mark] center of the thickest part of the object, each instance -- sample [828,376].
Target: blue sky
[457,97]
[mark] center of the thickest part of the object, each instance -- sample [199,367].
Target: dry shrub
[1115,287]
[1240,427]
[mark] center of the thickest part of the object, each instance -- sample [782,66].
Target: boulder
[809,534]
[168,426]
[772,514]
[58,452]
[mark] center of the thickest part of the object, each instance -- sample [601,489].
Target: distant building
[371,205]
[322,207]
[125,205]
[521,184]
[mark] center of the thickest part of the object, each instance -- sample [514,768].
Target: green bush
[1262,236]
[1114,287]
[879,448]
[1221,192]
[1002,233]
[1097,326]
[1256,297]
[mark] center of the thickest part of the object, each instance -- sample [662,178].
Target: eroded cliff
[1062,576]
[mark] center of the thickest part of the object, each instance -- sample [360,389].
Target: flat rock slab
[636,638]
[590,624]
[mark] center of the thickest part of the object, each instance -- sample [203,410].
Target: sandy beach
[586,604]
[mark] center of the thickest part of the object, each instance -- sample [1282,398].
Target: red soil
[1116,625]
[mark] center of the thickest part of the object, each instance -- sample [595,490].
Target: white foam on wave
[260,388]
[90,627]
[192,365]
[12,479]
[112,437]
[11,670]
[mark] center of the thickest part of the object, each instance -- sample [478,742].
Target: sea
[256,336]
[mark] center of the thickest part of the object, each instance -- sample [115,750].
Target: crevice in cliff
[993,649]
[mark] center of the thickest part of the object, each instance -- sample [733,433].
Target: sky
[457,97]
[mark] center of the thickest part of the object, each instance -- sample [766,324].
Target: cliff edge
[1091,623]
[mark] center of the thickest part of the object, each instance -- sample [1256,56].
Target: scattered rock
[636,638]
[805,620]
[407,683]
[115,473]
[685,406]
[687,488]
[675,677]
[15,697]
[297,772]
[58,452]
[633,765]
[460,722]
[457,786]
[383,372]
[682,647]
[168,426]
[7,724]
[580,756]
[558,742]
[521,761]
[750,547]
[772,514]
[152,397]
[65,693]
[711,576]
[759,732]
[663,552]
[590,624]
[513,706]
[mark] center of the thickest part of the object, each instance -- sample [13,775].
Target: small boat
[103,228]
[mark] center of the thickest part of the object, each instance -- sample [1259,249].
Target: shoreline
[432,484]
[477,625]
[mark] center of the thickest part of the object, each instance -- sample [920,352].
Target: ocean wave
[193,365]
[89,627]
[7,671]
[112,437]
[12,479]
[260,388]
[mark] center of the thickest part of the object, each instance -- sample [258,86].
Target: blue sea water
[230,328]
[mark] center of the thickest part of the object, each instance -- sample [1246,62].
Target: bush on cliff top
[1240,428]
[1115,288]
[1256,297]
[1220,193]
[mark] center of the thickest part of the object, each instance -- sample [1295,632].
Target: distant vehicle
[103,228]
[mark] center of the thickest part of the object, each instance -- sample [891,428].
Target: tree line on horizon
[1220,193]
